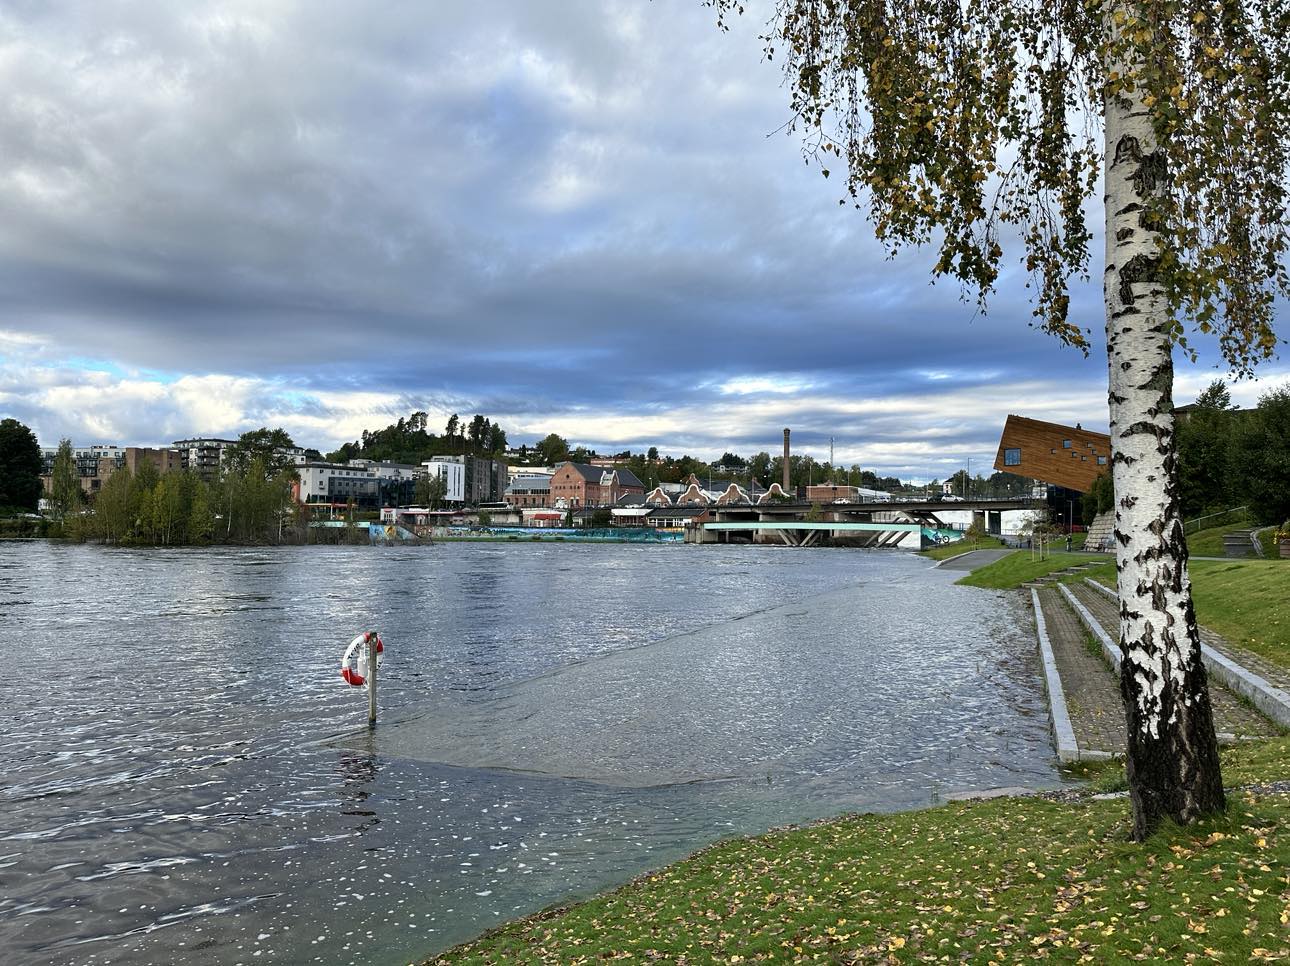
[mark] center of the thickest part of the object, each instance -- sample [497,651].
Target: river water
[187,776]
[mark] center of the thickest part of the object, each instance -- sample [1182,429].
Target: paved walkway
[974,559]
[1232,715]
[1091,691]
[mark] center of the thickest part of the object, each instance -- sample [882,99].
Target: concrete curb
[1109,647]
[942,562]
[1063,732]
[1260,692]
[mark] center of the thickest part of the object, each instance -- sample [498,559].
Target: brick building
[580,484]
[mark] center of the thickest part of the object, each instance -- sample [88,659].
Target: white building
[385,470]
[513,471]
[334,482]
[95,452]
[453,471]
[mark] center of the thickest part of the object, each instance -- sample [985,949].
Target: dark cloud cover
[575,216]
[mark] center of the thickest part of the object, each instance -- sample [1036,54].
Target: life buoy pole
[374,649]
[368,651]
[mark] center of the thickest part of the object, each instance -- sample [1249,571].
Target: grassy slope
[1009,878]
[1017,568]
[1248,603]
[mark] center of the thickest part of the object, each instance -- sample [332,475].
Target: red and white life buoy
[357,675]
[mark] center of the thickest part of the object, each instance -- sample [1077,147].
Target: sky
[571,216]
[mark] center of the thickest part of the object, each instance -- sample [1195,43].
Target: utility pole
[833,473]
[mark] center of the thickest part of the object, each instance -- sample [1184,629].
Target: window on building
[1012,457]
[1066,444]
[1101,461]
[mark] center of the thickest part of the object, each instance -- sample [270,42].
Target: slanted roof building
[1068,456]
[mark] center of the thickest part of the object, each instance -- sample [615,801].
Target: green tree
[652,454]
[143,487]
[1099,499]
[1203,443]
[431,490]
[954,122]
[200,526]
[171,498]
[554,449]
[263,444]
[64,482]
[1260,457]
[20,466]
[115,508]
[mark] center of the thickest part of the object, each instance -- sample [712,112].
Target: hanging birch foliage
[952,120]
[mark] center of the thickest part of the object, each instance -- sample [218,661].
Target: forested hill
[409,441]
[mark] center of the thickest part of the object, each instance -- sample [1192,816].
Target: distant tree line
[251,502]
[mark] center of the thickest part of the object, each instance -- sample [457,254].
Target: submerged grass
[1004,879]
[963,546]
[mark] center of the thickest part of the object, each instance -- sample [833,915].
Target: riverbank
[1008,878]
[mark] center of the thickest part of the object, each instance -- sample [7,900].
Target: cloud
[580,217]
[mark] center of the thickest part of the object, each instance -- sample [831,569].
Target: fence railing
[1220,519]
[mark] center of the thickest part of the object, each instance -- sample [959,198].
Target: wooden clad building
[1062,455]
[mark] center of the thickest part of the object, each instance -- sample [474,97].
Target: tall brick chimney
[786,464]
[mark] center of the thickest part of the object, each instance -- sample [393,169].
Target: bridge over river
[907,524]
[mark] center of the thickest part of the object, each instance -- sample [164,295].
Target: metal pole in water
[371,679]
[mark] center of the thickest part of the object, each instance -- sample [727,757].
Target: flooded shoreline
[174,791]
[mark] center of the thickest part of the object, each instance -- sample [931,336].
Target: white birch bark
[1172,755]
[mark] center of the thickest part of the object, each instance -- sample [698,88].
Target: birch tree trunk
[1173,765]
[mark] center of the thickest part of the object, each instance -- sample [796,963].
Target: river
[188,776]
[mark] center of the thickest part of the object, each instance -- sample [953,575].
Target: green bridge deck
[816,525]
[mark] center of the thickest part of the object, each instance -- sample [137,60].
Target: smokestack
[785,483]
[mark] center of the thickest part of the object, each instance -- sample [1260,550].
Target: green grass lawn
[1000,880]
[1017,568]
[962,546]
[1247,602]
